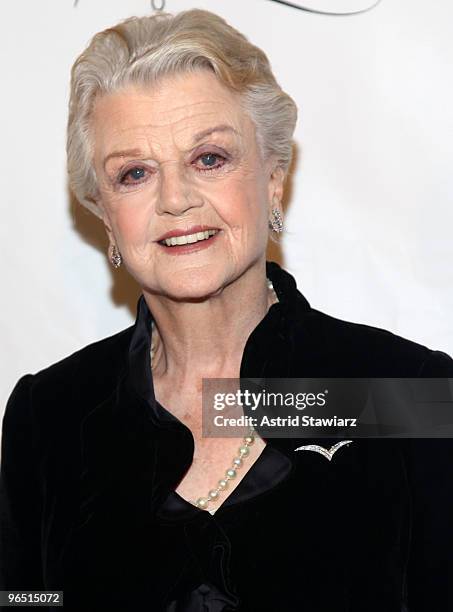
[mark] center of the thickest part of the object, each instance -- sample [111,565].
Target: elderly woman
[179,139]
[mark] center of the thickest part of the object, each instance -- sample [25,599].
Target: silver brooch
[327,453]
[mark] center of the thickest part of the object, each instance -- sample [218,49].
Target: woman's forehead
[171,100]
[182,111]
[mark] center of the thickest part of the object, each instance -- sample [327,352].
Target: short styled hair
[140,50]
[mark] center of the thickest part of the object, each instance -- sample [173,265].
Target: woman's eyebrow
[224,127]
[197,137]
[125,153]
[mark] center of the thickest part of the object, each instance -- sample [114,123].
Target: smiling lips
[189,236]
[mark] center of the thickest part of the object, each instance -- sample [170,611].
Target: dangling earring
[115,256]
[276,225]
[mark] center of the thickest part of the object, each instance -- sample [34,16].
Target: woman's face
[182,154]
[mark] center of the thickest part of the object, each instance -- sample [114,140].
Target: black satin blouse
[91,461]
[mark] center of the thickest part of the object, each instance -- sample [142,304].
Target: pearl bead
[231,473]
[202,502]
[249,440]
[237,462]
[213,494]
[244,451]
[223,484]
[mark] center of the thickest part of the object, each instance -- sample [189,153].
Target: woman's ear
[105,220]
[276,185]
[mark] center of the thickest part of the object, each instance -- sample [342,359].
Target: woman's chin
[189,290]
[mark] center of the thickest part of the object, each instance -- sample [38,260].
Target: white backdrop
[369,213]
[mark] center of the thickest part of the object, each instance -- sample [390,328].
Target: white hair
[140,50]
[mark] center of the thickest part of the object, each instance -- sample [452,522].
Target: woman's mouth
[189,243]
[188,238]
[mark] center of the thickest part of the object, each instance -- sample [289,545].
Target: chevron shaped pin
[327,453]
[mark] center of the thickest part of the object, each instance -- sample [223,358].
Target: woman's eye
[136,175]
[211,161]
[206,162]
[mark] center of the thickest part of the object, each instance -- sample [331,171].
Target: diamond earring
[115,256]
[276,225]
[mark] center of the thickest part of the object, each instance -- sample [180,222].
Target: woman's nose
[176,194]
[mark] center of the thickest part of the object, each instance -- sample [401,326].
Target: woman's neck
[200,339]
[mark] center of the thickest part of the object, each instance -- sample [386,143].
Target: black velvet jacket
[90,462]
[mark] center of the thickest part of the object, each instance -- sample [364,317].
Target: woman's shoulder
[81,379]
[94,359]
[326,345]
[371,348]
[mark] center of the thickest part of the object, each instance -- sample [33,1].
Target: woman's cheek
[134,218]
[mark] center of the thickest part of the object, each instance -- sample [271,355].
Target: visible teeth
[189,238]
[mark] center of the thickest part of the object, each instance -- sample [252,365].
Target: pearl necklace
[230,474]
[244,449]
